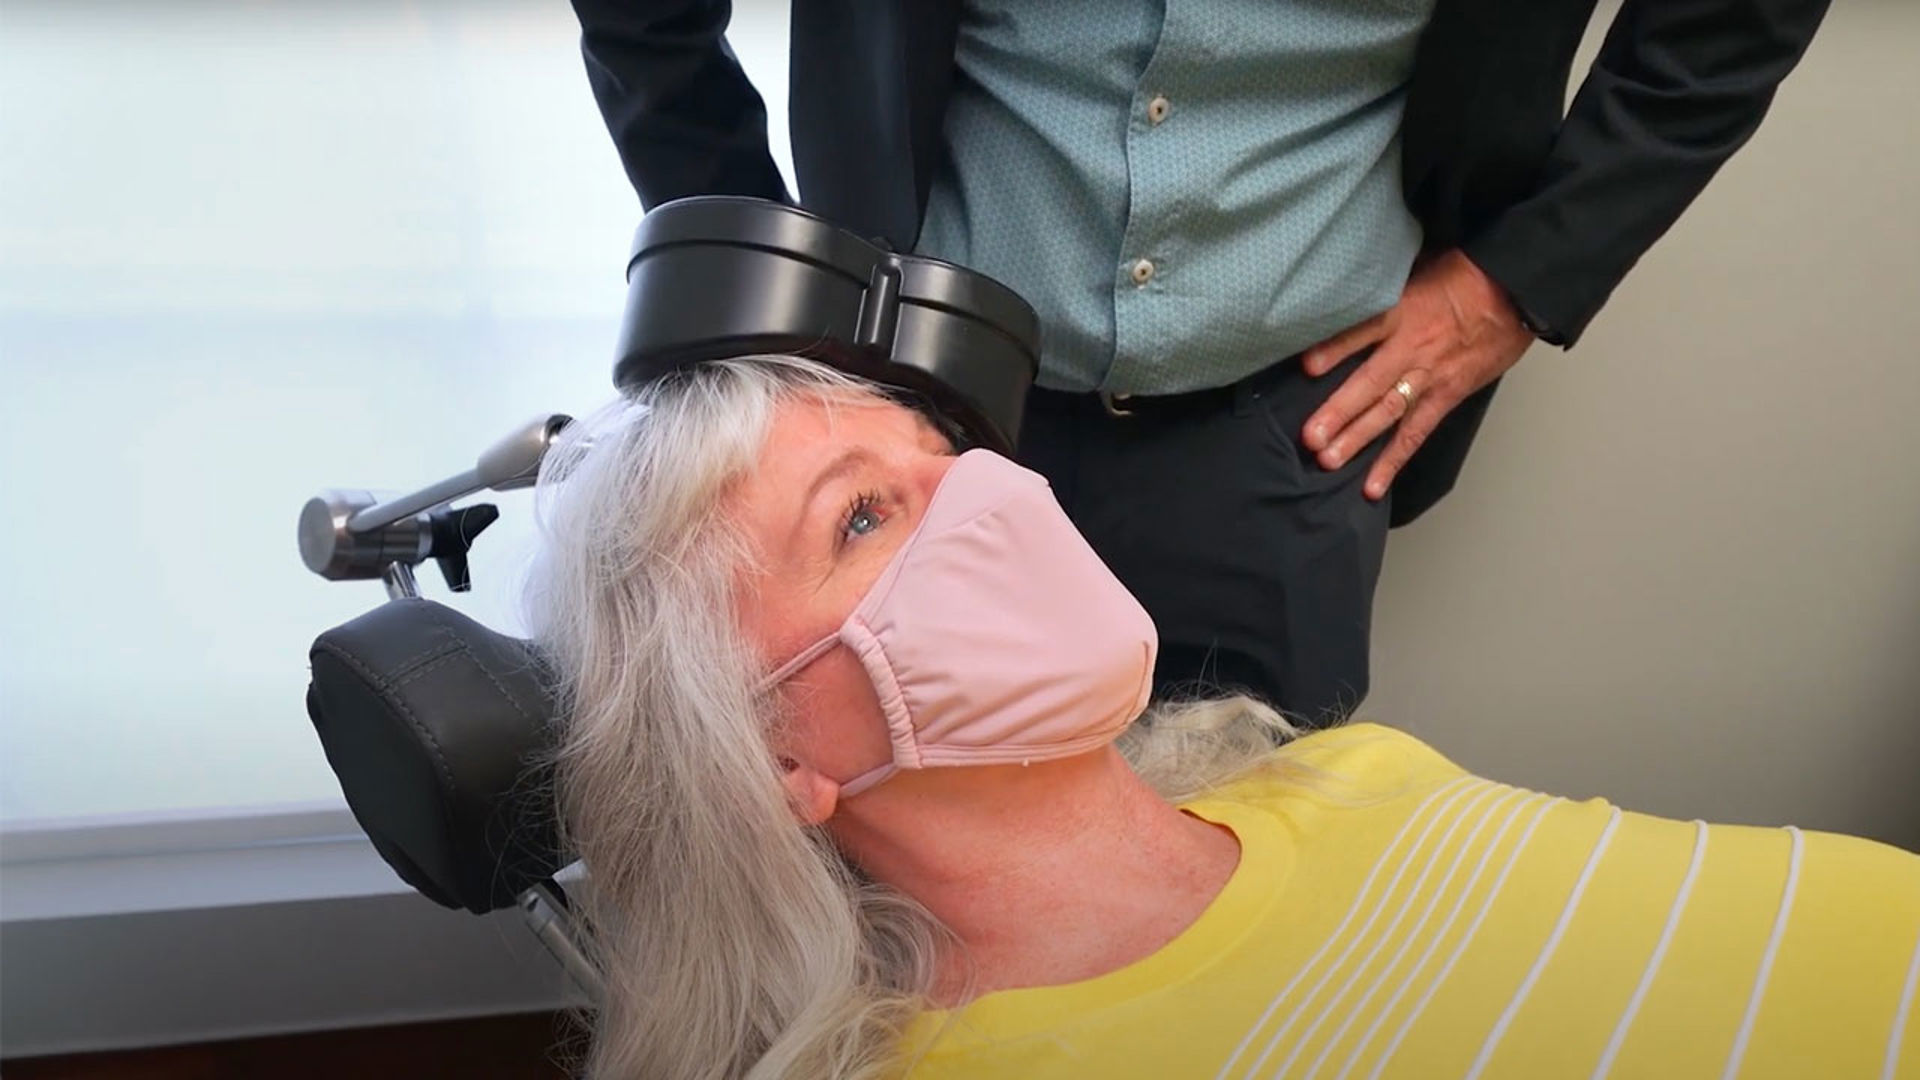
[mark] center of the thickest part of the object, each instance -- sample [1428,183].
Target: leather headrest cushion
[438,730]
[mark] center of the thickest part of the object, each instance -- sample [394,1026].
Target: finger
[1386,412]
[1368,426]
[1328,355]
[1356,395]
[1408,438]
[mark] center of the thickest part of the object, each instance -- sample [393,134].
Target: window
[249,251]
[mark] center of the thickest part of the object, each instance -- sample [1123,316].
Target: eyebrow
[848,461]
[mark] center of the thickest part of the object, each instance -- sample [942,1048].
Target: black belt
[1237,396]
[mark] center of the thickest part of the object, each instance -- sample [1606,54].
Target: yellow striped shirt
[1395,918]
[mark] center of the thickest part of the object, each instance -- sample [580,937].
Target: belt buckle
[1116,404]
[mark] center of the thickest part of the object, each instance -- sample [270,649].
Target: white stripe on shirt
[1659,953]
[1766,958]
[1380,864]
[1473,928]
[1900,1013]
[1406,944]
[1366,928]
[1446,926]
[1546,951]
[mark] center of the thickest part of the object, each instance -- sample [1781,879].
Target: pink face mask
[995,635]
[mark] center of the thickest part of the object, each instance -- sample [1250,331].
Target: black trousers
[1257,565]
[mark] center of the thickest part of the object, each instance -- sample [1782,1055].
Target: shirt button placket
[1130,327]
[1142,270]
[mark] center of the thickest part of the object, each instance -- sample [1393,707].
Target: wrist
[1530,322]
[1525,317]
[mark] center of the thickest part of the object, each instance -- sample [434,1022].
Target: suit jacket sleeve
[1678,86]
[682,114]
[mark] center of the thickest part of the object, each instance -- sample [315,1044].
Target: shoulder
[1329,775]
[1880,873]
[1370,746]
[1362,760]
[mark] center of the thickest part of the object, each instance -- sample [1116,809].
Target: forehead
[807,433]
[807,427]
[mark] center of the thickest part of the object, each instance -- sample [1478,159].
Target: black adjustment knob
[454,530]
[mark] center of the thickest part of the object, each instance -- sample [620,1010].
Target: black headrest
[720,276]
[437,728]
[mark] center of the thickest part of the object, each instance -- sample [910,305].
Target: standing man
[1282,252]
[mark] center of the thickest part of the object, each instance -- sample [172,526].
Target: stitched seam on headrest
[452,653]
[426,655]
[439,756]
[514,790]
[497,685]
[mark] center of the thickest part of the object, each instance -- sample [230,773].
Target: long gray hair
[734,943]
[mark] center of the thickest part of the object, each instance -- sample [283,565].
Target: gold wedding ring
[1405,390]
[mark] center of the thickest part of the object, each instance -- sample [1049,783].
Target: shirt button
[1157,110]
[1142,271]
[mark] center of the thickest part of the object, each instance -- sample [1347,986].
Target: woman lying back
[850,756]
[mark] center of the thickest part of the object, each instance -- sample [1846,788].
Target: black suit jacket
[1555,205]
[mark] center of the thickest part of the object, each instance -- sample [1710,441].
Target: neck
[1046,874]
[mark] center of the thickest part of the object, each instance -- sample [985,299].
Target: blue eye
[862,517]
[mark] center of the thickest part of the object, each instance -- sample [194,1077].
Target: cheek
[777,623]
[781,614]
[836,723]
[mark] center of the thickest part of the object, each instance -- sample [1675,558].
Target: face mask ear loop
[868,779]
[793,667]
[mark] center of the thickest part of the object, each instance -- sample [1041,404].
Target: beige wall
[1683,567]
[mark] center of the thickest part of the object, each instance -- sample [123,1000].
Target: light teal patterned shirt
[1187,190]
